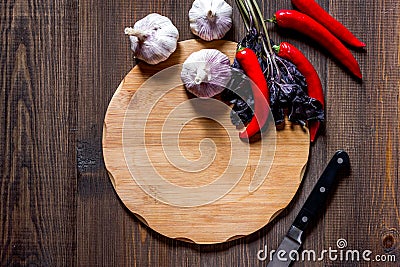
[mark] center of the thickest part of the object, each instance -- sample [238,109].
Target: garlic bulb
[210,19]
[153,38]
[205,73]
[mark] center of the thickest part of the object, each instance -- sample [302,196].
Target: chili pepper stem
[276,48]
[272,20]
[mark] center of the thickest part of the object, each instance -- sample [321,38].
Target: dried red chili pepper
[314,86]
[302,23]
[312,9]
[249,62]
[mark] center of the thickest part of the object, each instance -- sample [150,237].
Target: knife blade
[286,252]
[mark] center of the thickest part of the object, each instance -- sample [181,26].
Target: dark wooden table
[60,63]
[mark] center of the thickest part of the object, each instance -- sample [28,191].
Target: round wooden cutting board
[178,164]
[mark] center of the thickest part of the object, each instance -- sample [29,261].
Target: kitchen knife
[315,202]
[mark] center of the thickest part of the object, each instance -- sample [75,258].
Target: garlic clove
[153,38]
[210,19]
[205,73]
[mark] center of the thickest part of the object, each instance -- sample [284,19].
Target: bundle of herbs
[287,86]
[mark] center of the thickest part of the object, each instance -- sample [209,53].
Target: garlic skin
[210,19]
[153,38]
[205,73]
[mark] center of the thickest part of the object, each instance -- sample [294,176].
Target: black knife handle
[317,199]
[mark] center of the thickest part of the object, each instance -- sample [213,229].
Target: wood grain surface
[60,64]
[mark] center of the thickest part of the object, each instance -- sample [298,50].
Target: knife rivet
[304,219]
[340,160]
[322,189]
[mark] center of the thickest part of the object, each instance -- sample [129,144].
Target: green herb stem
[249,5]
[244,14]
[260,19]
[264,27]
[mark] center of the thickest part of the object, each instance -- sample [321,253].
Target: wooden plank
[37,133]
[108,235]
[366,124]
[100,224]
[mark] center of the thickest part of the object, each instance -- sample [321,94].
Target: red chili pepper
[302,23]
[312,9]
[314,86]
[249,62]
